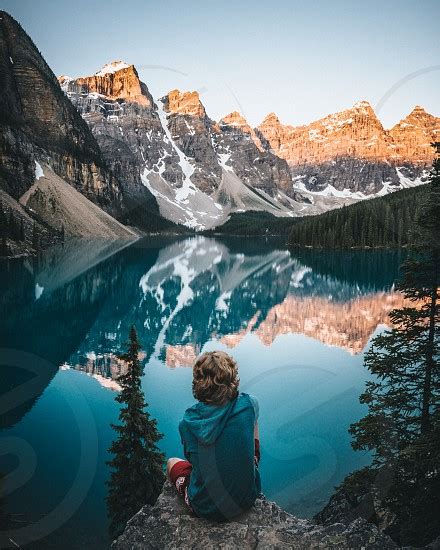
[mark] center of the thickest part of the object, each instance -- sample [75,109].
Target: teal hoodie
[219,443]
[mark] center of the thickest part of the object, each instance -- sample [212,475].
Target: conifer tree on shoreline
[402,427]
[137,466]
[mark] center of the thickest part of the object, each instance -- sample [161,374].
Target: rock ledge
[169,525]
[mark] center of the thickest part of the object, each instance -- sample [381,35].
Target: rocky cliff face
[350,152]
[168,524]
[353,132]
[251,162]
[117,80]
[38,122]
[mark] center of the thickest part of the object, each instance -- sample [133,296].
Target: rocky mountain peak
[361,115]
[272,133]
[418,109]
[235,122]
[353,132]
[420,118]
[184,103]
[116,80]
[234,119]
[270,120]
[414,134]
[363,107]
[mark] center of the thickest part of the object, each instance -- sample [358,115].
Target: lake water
[297,323]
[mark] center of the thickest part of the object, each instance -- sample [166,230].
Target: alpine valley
[99,156]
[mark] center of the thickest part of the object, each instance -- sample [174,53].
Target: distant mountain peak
[236,119]
[363,105]
[271,118]
[113,67]
[420,115]
[418,118]
[184,103]
[116,80]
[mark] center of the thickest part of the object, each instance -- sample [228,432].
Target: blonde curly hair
[215,378]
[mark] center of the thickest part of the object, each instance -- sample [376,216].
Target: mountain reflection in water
[200,288]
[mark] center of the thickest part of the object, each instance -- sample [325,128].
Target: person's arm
[256,407]
[256,443]
[182,440]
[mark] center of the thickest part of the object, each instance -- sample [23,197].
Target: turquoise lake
[297,322]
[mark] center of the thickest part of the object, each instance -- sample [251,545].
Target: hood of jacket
[206,422]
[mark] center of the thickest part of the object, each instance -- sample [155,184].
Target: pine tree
[404,398]
[137,465]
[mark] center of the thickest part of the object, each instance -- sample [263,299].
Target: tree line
[375,223]
[253,223]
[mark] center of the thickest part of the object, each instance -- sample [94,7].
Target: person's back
[220,477]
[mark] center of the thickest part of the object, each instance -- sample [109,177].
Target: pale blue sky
[302,59]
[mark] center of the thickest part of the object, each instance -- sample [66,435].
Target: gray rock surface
[168,525]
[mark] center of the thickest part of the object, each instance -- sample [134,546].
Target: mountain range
[98,155]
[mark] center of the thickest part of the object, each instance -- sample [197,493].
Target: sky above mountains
[302,60]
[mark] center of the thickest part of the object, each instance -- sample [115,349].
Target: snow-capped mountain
[350,153]
[199,170]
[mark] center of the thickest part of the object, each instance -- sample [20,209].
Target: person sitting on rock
[219,478]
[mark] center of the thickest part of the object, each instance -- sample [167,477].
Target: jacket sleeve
[255,405]
[184,444]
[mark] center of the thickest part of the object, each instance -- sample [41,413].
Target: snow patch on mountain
[223,159]
[329,191]
[38,171]
[198,211]
[406,182]
[187,204]
[113,67]
[187,168]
